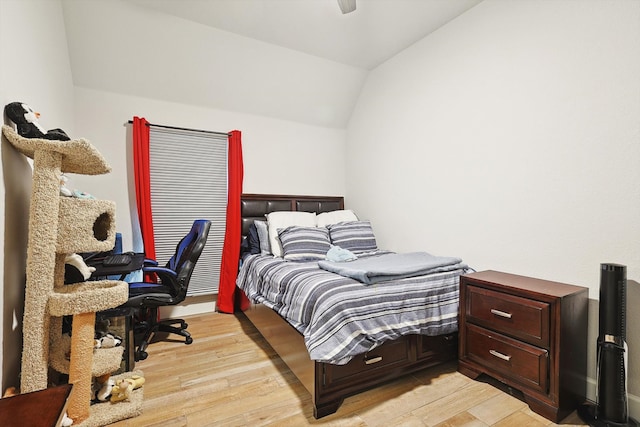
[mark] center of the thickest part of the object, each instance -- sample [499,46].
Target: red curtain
[143,183]
[229,297]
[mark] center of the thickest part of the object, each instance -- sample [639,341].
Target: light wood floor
[229,376]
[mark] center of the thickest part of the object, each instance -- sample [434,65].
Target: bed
[329,378]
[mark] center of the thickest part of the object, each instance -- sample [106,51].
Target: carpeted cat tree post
[59,226]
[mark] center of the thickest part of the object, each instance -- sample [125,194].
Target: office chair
[170,288]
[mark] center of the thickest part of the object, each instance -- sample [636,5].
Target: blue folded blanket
[390,266]
[338,254]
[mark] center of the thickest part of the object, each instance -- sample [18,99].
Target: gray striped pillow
[304,243]
[355,236]
[263,237]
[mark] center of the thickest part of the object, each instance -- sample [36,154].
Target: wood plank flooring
[230,376]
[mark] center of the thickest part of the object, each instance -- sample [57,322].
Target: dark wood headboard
[256,206]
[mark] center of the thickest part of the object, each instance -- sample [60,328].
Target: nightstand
[528,333]
[43,408]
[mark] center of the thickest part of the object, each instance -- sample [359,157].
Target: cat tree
[59,226]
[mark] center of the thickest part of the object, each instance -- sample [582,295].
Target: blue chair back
[187,253]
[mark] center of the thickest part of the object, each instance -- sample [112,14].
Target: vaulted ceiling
[300,60]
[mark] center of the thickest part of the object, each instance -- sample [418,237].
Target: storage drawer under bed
[389,355]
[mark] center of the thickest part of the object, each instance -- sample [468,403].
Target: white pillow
[334,217]
[284,219]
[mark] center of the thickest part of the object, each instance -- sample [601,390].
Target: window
[188,171]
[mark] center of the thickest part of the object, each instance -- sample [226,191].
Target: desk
[39,408]
[137,261]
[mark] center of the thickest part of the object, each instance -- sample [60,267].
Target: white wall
[277,154]
[34,68]
[118,46]
[510,137]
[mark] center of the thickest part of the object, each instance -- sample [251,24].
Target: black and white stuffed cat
[26,121]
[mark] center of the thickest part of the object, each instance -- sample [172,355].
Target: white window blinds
[189,181]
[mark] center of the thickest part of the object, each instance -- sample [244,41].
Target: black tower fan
[611,407]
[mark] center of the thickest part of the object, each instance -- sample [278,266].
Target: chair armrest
[167,276]
[149,263]
[160,271]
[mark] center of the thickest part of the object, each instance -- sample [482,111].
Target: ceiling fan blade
[347,6]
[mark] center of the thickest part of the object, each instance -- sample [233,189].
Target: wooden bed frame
[329,384]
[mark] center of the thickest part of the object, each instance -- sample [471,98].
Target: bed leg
[327,408]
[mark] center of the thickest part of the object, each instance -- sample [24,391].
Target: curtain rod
[179,128]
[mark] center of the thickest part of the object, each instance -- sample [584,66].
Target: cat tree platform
[78,155]
[87,297]
[105,413]
[105,360]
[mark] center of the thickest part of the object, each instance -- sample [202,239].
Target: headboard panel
[256,206]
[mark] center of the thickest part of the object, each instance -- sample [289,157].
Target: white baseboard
[633,401]
[592,387]
[190,306]
[634,407]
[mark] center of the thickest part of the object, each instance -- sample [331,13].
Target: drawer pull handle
[500,355]
[373,360]
[501,313]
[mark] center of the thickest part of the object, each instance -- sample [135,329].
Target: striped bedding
[340,317]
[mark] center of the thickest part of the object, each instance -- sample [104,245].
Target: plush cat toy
[26,121]
[76,270]
[123,388]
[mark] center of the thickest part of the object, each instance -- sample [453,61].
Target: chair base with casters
[145,330]
[166,286]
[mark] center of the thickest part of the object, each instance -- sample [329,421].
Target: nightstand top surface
[532,284]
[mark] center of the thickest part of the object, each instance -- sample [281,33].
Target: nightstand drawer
[515,316]
[521,362]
